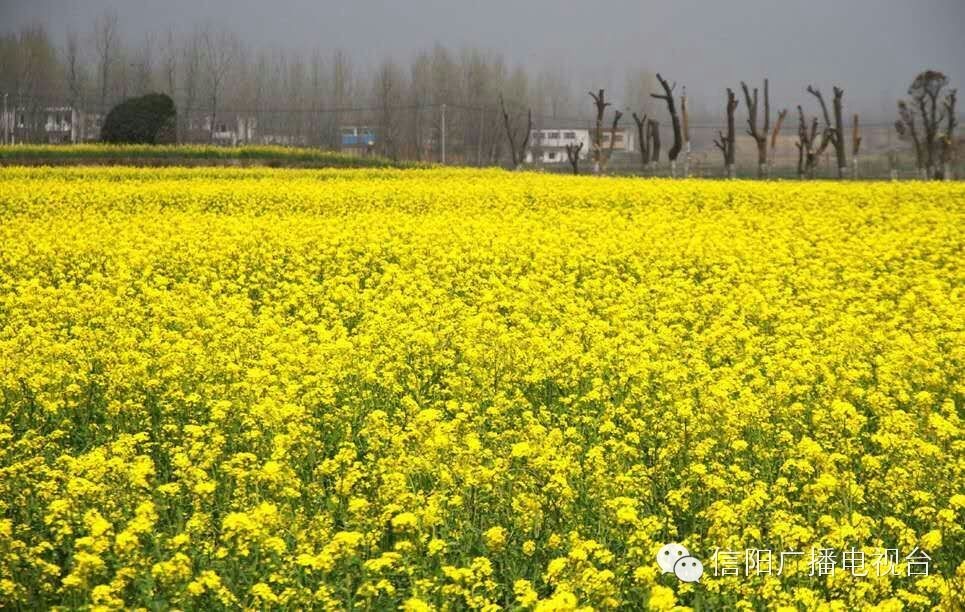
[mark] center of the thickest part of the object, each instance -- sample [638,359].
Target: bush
[149,119]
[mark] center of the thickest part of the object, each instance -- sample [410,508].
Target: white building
[548,146]
[230,129]
[50,125]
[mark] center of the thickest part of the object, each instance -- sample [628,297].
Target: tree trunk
[654,143]
[667,96]
[643,134]
[838,142]
[599,100]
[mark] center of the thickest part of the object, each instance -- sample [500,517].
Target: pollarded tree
[835,133]
[643,135]
[760,134]
[667,96]
[727,144]
[907,129]
[807,154]
[573,155]
[600,157]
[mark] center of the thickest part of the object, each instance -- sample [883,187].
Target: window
[348,131]
[551,156]
[553,135]
[569,135]
[619,138]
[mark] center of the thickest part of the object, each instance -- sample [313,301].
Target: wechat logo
[675,559]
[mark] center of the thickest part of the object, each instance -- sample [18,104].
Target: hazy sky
[872,47]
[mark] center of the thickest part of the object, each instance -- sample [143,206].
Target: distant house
[357,139]
[548,145]
[231,129]
[51,125]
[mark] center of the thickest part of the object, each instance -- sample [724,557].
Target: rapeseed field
[442,389]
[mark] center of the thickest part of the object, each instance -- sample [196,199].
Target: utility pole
[443,133]
[6,123]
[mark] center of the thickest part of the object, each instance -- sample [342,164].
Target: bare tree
[512,135]
[144,66]
[388,92]
[760,135]
[219,49]
[169,64]
[667,96]
[808,155]
[908,130]
[31,72]
[727,144]
[600,157]
[191,81]
[928,106]
[294,77]
[643,135]
[419,93]
[573,155]
[316,97]
[554,92]
[340,93]
[477,84]
[925,92]
[835,132]
[73,70]
[105,42]
[74,79]
[599,100]
[804,143]
[837,104]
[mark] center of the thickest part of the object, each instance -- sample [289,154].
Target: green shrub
[149,119]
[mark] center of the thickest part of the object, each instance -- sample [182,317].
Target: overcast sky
[871,47]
